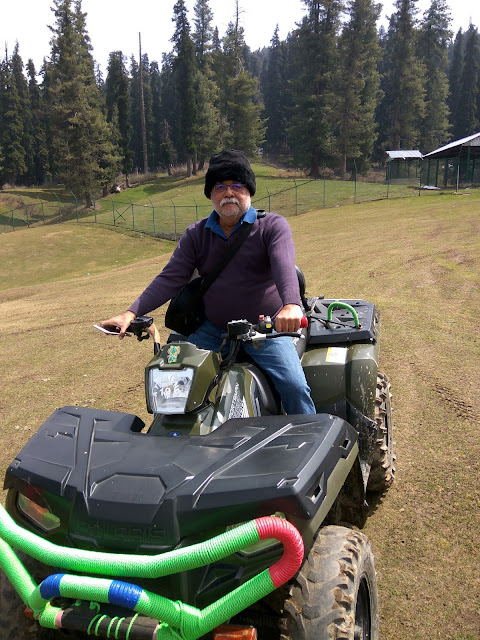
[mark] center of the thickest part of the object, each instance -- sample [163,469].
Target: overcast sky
[114,25]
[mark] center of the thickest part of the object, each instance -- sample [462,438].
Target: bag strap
[241,236]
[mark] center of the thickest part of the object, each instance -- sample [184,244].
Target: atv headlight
[41,516]
[168,390]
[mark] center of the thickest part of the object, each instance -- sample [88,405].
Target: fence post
[269,200]
[59,206]
[113,211]
[43,213]
[324,190]
[13,221]
[196,209]
[76,204]
[133,217]
[153,215]
[94,206]
[296,196]
[174,218]
[355,184]
[26,216]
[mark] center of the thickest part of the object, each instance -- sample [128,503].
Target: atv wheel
[382,471]
[335,593]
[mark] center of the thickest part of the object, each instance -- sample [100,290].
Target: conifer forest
[336,93]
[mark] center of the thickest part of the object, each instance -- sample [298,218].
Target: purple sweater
[259,279]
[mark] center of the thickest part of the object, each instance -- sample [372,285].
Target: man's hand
[289,318]
[121,321]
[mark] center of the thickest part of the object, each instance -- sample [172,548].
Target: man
[259,279]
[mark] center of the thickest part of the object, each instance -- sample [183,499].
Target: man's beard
[233,214]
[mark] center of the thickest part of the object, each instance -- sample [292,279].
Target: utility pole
[142,110]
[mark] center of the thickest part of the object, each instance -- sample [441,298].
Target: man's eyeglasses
[238,187]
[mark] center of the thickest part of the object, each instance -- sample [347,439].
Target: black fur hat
[229,164]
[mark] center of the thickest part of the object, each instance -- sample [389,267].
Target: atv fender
[111,484]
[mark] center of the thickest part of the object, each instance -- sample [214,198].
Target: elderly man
[259,279]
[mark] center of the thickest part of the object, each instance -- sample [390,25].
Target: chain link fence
[289,197]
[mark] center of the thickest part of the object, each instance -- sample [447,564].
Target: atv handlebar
[244,331]
[238,331]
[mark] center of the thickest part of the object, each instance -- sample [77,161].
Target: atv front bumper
[153,616]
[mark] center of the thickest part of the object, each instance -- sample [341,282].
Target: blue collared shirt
[213,221]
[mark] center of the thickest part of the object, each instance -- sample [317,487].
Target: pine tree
[274,86]
[404,79]
[314,61]
[81,135]
[40,162]
[155,82]
[25,114]
[117,98]
[242,111]
[433,51]
[12,131]
[358,82]
[203,33]
[211,125]
[468,121]
[454,81]
[185,69]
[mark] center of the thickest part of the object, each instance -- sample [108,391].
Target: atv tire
[334,594]
[382,471]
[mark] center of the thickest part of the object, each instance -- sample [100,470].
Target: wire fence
[169,219]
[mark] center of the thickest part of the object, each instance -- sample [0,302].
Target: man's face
[230,199]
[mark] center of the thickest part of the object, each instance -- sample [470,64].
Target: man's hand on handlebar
[122,322]
[289,318]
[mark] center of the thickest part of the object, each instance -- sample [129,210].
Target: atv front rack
[154,617]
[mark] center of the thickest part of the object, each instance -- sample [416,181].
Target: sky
[114,25]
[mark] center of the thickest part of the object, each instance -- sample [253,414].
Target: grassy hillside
[417,259]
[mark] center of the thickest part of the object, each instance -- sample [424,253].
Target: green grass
[61,252]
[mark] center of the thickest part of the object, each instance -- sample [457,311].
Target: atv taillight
[233,632]
[40,516]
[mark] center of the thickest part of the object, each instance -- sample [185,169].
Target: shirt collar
[214,224]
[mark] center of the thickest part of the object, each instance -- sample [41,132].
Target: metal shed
[455,163]
[403,164]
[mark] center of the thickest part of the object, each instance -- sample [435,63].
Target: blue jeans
[278,358]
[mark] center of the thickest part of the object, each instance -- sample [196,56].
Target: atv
[225,516]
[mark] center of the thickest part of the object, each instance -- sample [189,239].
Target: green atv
[225,516]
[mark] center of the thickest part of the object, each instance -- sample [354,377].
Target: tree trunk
[189,165]
[343,166]
[314,172]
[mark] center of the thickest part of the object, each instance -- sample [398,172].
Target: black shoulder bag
[185,313]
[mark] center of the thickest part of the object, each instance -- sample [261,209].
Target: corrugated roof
[403,155]
[469,141]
